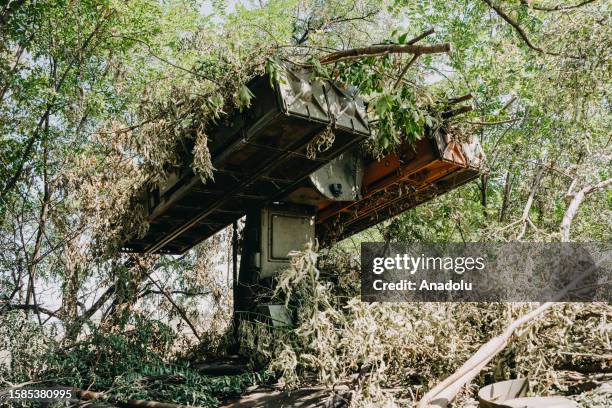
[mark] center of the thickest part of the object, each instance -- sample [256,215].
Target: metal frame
[259,157]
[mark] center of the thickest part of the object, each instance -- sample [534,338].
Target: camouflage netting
[170,132]
[398,351]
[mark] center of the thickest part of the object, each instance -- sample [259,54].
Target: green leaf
[383,104]
[245,96]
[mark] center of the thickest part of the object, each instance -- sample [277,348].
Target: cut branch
[384,49]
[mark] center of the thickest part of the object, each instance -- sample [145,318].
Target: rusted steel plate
[401,181]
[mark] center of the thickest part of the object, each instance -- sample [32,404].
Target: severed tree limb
[445,392]
[384,49]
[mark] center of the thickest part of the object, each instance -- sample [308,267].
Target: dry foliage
[397,351]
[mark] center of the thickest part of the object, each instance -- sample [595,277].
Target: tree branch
[556,8]
[414,57]
[324,25]
[408,65]
[499,122]
[572,208]
[534,189]
[93,395]
[384,49]
[173,292]
[523,34]
[458,111]
[179,309]
[45,116]
[445,392]
[34,308]
[459,99]
[421,36]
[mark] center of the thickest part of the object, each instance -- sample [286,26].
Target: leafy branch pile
[137,360]
[397,351]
